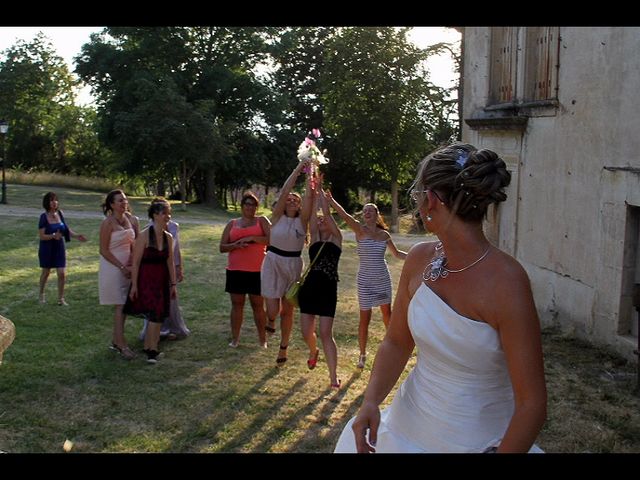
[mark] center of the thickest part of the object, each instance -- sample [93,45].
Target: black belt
[283,253]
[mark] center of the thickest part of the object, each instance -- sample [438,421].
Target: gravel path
[403,242]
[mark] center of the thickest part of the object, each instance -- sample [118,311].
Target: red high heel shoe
[311,363]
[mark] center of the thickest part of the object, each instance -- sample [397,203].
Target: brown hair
[106,206]
[249,195]
[380,223]
[468,180]
[46,200]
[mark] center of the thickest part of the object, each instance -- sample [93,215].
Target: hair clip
[462,158]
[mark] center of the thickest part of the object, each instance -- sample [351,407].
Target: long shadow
[261,420]
[332,400]
[224,416]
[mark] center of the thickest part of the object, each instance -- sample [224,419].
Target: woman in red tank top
[246,239]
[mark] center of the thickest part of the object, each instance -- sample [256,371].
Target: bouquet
[308,150]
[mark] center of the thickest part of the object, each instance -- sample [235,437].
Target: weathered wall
[567,216]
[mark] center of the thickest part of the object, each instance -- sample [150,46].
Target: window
[530,52]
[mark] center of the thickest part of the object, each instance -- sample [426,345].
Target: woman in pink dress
[118,232]
[245,239]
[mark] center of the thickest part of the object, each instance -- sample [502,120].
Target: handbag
[294,289]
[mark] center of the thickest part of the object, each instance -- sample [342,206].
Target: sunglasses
[417,195]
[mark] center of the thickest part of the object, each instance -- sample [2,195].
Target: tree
[377,103]
[37,97]
[177,100]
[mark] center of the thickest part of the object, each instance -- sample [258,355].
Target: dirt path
[403,241]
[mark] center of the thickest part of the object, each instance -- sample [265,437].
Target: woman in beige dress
[118,232]
[282,265]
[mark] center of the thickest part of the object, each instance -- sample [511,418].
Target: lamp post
[4,128]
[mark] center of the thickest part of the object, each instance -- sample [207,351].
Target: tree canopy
[206,111]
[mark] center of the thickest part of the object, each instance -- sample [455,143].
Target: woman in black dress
[318,295]
[153,276]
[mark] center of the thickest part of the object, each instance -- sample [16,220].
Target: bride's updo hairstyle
[466,179]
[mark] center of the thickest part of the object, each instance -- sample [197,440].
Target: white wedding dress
[458,398]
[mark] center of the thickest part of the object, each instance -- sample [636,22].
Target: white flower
[308,150]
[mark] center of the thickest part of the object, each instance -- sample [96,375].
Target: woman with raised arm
[478,383]
[282,265]
[374,278]
[318,294]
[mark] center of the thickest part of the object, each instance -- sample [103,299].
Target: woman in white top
[282,265]
[478,384]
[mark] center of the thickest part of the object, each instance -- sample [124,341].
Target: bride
[478,384]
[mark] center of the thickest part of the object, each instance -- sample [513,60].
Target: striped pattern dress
[374,279]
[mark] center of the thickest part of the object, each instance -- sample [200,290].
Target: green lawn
[59,381]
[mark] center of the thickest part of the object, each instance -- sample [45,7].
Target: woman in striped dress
[374,279]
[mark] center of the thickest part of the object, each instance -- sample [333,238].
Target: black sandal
[280,360]
[270,330]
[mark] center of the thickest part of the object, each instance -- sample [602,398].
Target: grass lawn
[59,381]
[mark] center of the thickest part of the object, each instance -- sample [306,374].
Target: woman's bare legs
[386,314]
[237,312]
[259,318]
[330,348]
[286,325]
[118,341]
[44,276]
[62,276]
[308,329]
[363,335]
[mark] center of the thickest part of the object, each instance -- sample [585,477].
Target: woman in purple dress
[54,232]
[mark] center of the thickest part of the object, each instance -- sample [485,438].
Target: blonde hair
[468,180]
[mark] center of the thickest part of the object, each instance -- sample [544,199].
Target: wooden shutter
[504,41]
[542,45]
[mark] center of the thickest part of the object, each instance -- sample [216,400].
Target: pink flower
[316,132]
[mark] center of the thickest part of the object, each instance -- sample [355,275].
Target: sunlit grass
[59,381]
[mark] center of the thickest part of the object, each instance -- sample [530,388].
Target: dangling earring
[429,217]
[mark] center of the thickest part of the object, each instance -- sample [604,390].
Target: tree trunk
[160,188]
[210,188]
[183,186]
[394,206]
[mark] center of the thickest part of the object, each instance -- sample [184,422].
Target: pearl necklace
[437,267]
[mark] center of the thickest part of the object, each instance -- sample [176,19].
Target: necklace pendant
[436,269]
